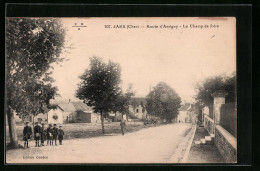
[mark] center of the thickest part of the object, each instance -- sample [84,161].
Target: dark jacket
[122,124]
[27,130]
[55,131]
[43,133]
[43,130]
[37,129]
[49,130]
[60,134]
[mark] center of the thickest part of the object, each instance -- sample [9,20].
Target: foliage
[32,45]
[100,86]
[217,83]
[134,104]
[123,101]
[163,102]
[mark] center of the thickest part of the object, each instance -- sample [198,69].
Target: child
[37,134]
[50,135]
[60,134]
[27,132]
[55,134]
[43,134]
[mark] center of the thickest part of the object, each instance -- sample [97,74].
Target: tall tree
[123,101]
[99,86]
[217,83]
[163,102]
[32,45]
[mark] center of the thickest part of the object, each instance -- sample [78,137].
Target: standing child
[49,135]
[43,134]
[55,133]
[60,134]
[27,132]
[37,134]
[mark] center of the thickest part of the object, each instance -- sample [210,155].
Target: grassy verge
[89,130]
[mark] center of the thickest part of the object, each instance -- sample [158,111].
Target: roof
[139,100]
[81,106]
[73,106]
[67,107]
[192,107]
[185,107]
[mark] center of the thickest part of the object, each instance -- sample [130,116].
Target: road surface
[151,145]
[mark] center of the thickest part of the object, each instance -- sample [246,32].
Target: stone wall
[209,124]
[226,144]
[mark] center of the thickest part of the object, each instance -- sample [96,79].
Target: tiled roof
[81,106]
[73,106]
[139,100]
[67,107]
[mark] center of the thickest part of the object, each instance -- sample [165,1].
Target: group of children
[41,133]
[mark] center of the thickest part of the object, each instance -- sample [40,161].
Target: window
[39,119]
[137,110]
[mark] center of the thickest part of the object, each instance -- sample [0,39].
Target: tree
[99,86]
[163,102]
[32,45]
[134,104]
[123,101]
[217,83]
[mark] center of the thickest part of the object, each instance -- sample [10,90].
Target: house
[67,112]
[183,112]
[187,113]
[137,107]
[51,115]
[137,111]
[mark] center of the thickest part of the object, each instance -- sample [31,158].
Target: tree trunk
[12,130]
[33,121]
[115,117]
[102,123]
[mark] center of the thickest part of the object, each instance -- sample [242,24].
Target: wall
[53,112]
[228,118]
[83,117]
[209,124]
[95,118]
[226,144]
[141,112]
[41,118]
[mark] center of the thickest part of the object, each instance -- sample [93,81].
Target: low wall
[209,124]
[226,144]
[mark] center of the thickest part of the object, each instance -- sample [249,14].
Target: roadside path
[151,145]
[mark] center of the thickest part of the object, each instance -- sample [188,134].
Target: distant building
[67,112]
[187,113]
[137,110]
[137,107]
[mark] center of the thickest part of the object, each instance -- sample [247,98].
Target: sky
[179,51]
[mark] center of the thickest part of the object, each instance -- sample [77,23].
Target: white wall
[138,114]
[182,115]
[57,112]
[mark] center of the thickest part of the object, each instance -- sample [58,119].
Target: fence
[209,124]
[228,118]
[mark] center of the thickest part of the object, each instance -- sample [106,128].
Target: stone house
[137,107]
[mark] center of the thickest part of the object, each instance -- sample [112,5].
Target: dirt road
[151,145]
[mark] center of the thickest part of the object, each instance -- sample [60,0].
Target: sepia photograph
[120,90]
